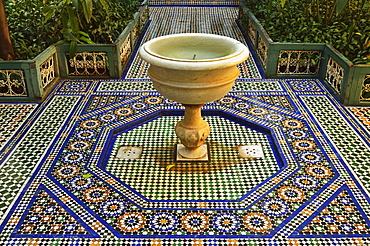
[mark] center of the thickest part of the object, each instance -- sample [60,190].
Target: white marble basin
[193,68]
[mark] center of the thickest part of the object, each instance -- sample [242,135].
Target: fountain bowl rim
[240,54]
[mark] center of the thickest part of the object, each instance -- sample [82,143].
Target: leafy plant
[72,14]
[35,25]
[29,36]
[345,24]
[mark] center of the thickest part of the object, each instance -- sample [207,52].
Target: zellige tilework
[62,183]
[12,118]
[362,115]
[228,176]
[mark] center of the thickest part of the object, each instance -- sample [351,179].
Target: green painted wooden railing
[31,80]
[348,82]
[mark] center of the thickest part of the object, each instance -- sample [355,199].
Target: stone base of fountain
[179,158]
[192,131]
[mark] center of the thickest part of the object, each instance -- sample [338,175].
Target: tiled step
[172,20]
[189,2]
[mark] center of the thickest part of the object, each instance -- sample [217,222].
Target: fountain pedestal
[193,69]
[192,131]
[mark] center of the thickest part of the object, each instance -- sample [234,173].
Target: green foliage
[29,36]
[345,24]
[105,27]
[34,25]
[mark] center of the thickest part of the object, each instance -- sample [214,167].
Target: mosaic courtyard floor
[62,182]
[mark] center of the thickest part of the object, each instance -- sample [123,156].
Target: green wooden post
[338,73]
[359,75]
[23,67]
[45,57]
[135,32]
[118,44]
[272,60]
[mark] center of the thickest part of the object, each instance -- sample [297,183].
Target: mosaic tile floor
[194,2]
[62,183]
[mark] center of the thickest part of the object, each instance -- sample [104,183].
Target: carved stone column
[192,131]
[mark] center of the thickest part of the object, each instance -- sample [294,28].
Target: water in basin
[195,53]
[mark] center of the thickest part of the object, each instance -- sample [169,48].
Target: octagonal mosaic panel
[226,177]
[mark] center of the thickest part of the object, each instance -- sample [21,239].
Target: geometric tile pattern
[125,85]
[196,2]
[21,161]
[305,86]
[362,115]
[227,177]
[313,177]
[99,102]
[335,126]
[280,101]
[47,217]
[72,86]
[135,199]
[243,85]
[12,118]
[258,87]
[339,217]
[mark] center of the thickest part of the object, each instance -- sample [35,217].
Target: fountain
[193,69]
